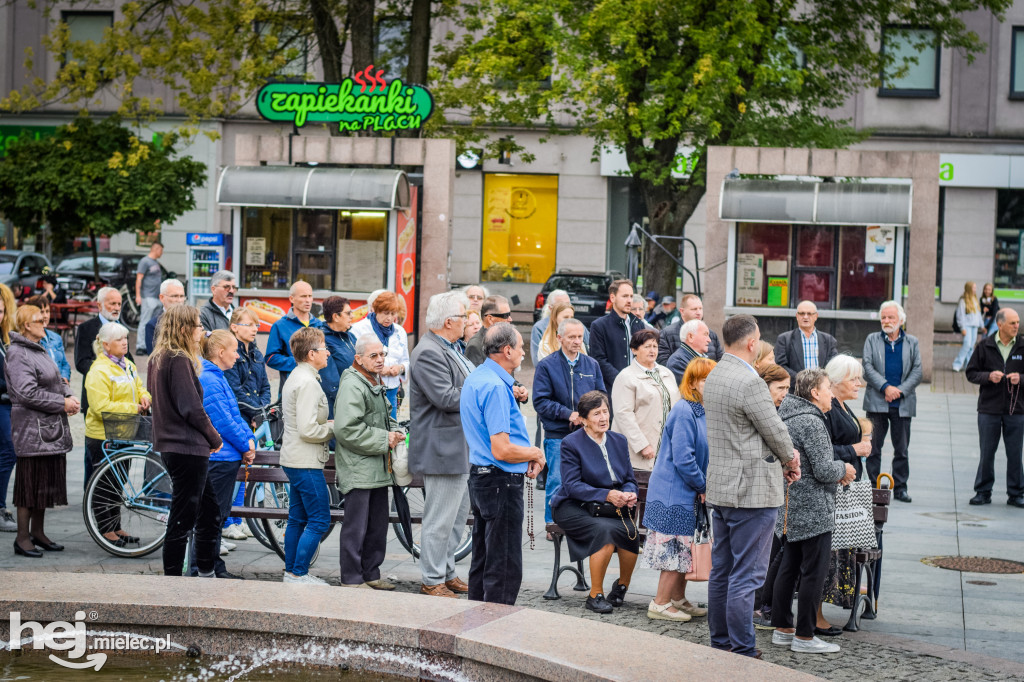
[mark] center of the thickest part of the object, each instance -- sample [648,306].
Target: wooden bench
[867,562]
[642,478]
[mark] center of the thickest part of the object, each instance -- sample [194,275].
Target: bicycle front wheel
[130,492]
[415,498]
[277,496]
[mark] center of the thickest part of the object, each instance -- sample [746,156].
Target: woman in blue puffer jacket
[220,350]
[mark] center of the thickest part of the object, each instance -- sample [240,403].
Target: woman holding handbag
[596,501]
[675,494]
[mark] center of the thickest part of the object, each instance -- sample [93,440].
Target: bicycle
[131,488]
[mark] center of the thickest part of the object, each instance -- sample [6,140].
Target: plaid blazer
[746,439]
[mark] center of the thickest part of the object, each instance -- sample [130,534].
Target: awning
[355,189]
[822,203]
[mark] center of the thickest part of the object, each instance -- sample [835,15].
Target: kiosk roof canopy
[793,201]
[354,189]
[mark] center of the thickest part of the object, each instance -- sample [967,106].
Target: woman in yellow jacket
[113,386]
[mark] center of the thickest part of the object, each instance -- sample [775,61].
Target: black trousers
[221,477]
[364,535]
[807,560]
[194,504]
[496,571]
[763,594]
[881,423]
[990,427]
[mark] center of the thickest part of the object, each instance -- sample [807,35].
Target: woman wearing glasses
[41,403]
[382,324]
[185,439]
[304,453]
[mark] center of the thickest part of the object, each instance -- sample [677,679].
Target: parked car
[75,274]
[588,292]
[22,270]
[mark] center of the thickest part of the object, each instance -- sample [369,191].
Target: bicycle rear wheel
[415,498]
[255,494]
[276,496]
[130,491]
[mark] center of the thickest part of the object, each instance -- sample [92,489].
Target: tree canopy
[96,179]
[646,76]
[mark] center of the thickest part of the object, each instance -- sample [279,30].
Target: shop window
[266,248]
[916,58]
[86,27]
[866,266]
[1009,267]
[520,227]
[314,248]
[362,250]
[1017,63]
[763,258]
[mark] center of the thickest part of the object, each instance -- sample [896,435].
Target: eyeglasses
[458,317]
[503,316]
[476,297]
[374,356]
[806,314]
[320,350]
[229,287]
[245,324]
[35,321]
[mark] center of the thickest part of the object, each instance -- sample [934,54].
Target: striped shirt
[810,349]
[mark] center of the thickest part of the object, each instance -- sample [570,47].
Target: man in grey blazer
[804,347]
[438,448]
[750,458]
[892,371]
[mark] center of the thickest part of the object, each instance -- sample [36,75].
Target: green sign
[363,102]
[10,134]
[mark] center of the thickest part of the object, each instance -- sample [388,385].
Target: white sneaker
[304,579]
[233,532]
[7,522]
[226,547]
[246,531]
[782,638]
[811,646]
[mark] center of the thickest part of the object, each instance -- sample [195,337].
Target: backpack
[956,323]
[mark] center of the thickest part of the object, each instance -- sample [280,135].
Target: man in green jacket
[365,434]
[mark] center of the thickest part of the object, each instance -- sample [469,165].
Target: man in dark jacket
[216,314]
[691,308]
[558,382]
[436,373]
[996,366]
[696,340]
[804,347]
[109,300]
[493,310]
[172,292]
[610,335]
[248,377]
[340,342]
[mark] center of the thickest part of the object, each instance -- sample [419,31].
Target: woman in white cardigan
[643,394]
[382,321]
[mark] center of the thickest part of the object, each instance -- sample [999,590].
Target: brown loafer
[456,585]
[437,591]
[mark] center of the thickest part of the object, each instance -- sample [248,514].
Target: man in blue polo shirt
[500,455]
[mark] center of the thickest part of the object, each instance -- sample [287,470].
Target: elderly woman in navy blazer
[596,470]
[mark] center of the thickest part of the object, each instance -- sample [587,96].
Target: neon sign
[363,102]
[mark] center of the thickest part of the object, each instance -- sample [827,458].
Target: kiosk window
[266,248]
[1009,267]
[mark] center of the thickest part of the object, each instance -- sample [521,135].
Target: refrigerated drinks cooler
[205,257]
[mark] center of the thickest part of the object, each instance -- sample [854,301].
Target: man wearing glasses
[216,314]
[804,347]
[172,292]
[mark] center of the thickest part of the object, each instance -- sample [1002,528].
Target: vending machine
[205,257]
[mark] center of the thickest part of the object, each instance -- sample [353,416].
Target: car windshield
[7,261]
[580,284]
[107,263]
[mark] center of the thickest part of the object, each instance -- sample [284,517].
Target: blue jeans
[7,457]
[309,517]
[739,560]
[970,338]
[237,502]
[552,453]
[392,394]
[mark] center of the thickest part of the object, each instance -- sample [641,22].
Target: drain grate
[975,564]
[980,582]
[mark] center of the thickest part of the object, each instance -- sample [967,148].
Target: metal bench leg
[581,582]
[870,610]
[552,592]
[851,624]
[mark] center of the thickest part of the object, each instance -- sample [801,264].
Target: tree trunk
[363,33]
[669,208]
[419,50]
[328,40]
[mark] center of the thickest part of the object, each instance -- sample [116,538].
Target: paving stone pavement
[933,624]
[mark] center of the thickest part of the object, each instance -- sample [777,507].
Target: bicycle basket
[127,427]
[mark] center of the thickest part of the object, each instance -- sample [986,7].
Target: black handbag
[602,509]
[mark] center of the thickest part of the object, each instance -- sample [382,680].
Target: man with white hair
[690,308]
[892,370]
[216,314]
[172,292]
[436,372]
[279,352]
[804,347]
[109,300]
[476,294]
[695,338]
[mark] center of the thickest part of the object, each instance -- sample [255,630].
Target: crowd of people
[754,436]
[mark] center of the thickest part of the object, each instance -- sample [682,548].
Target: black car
[116,270]
[22,271]
[588,292]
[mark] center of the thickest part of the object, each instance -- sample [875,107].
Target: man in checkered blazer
[751,457]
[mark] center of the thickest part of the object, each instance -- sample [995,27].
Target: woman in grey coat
[808,518]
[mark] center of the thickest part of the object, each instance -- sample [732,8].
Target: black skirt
[41,482]
[586,534]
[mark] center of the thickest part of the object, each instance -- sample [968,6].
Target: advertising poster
[880,244]
[778,291]
[405,268]
[749,278]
